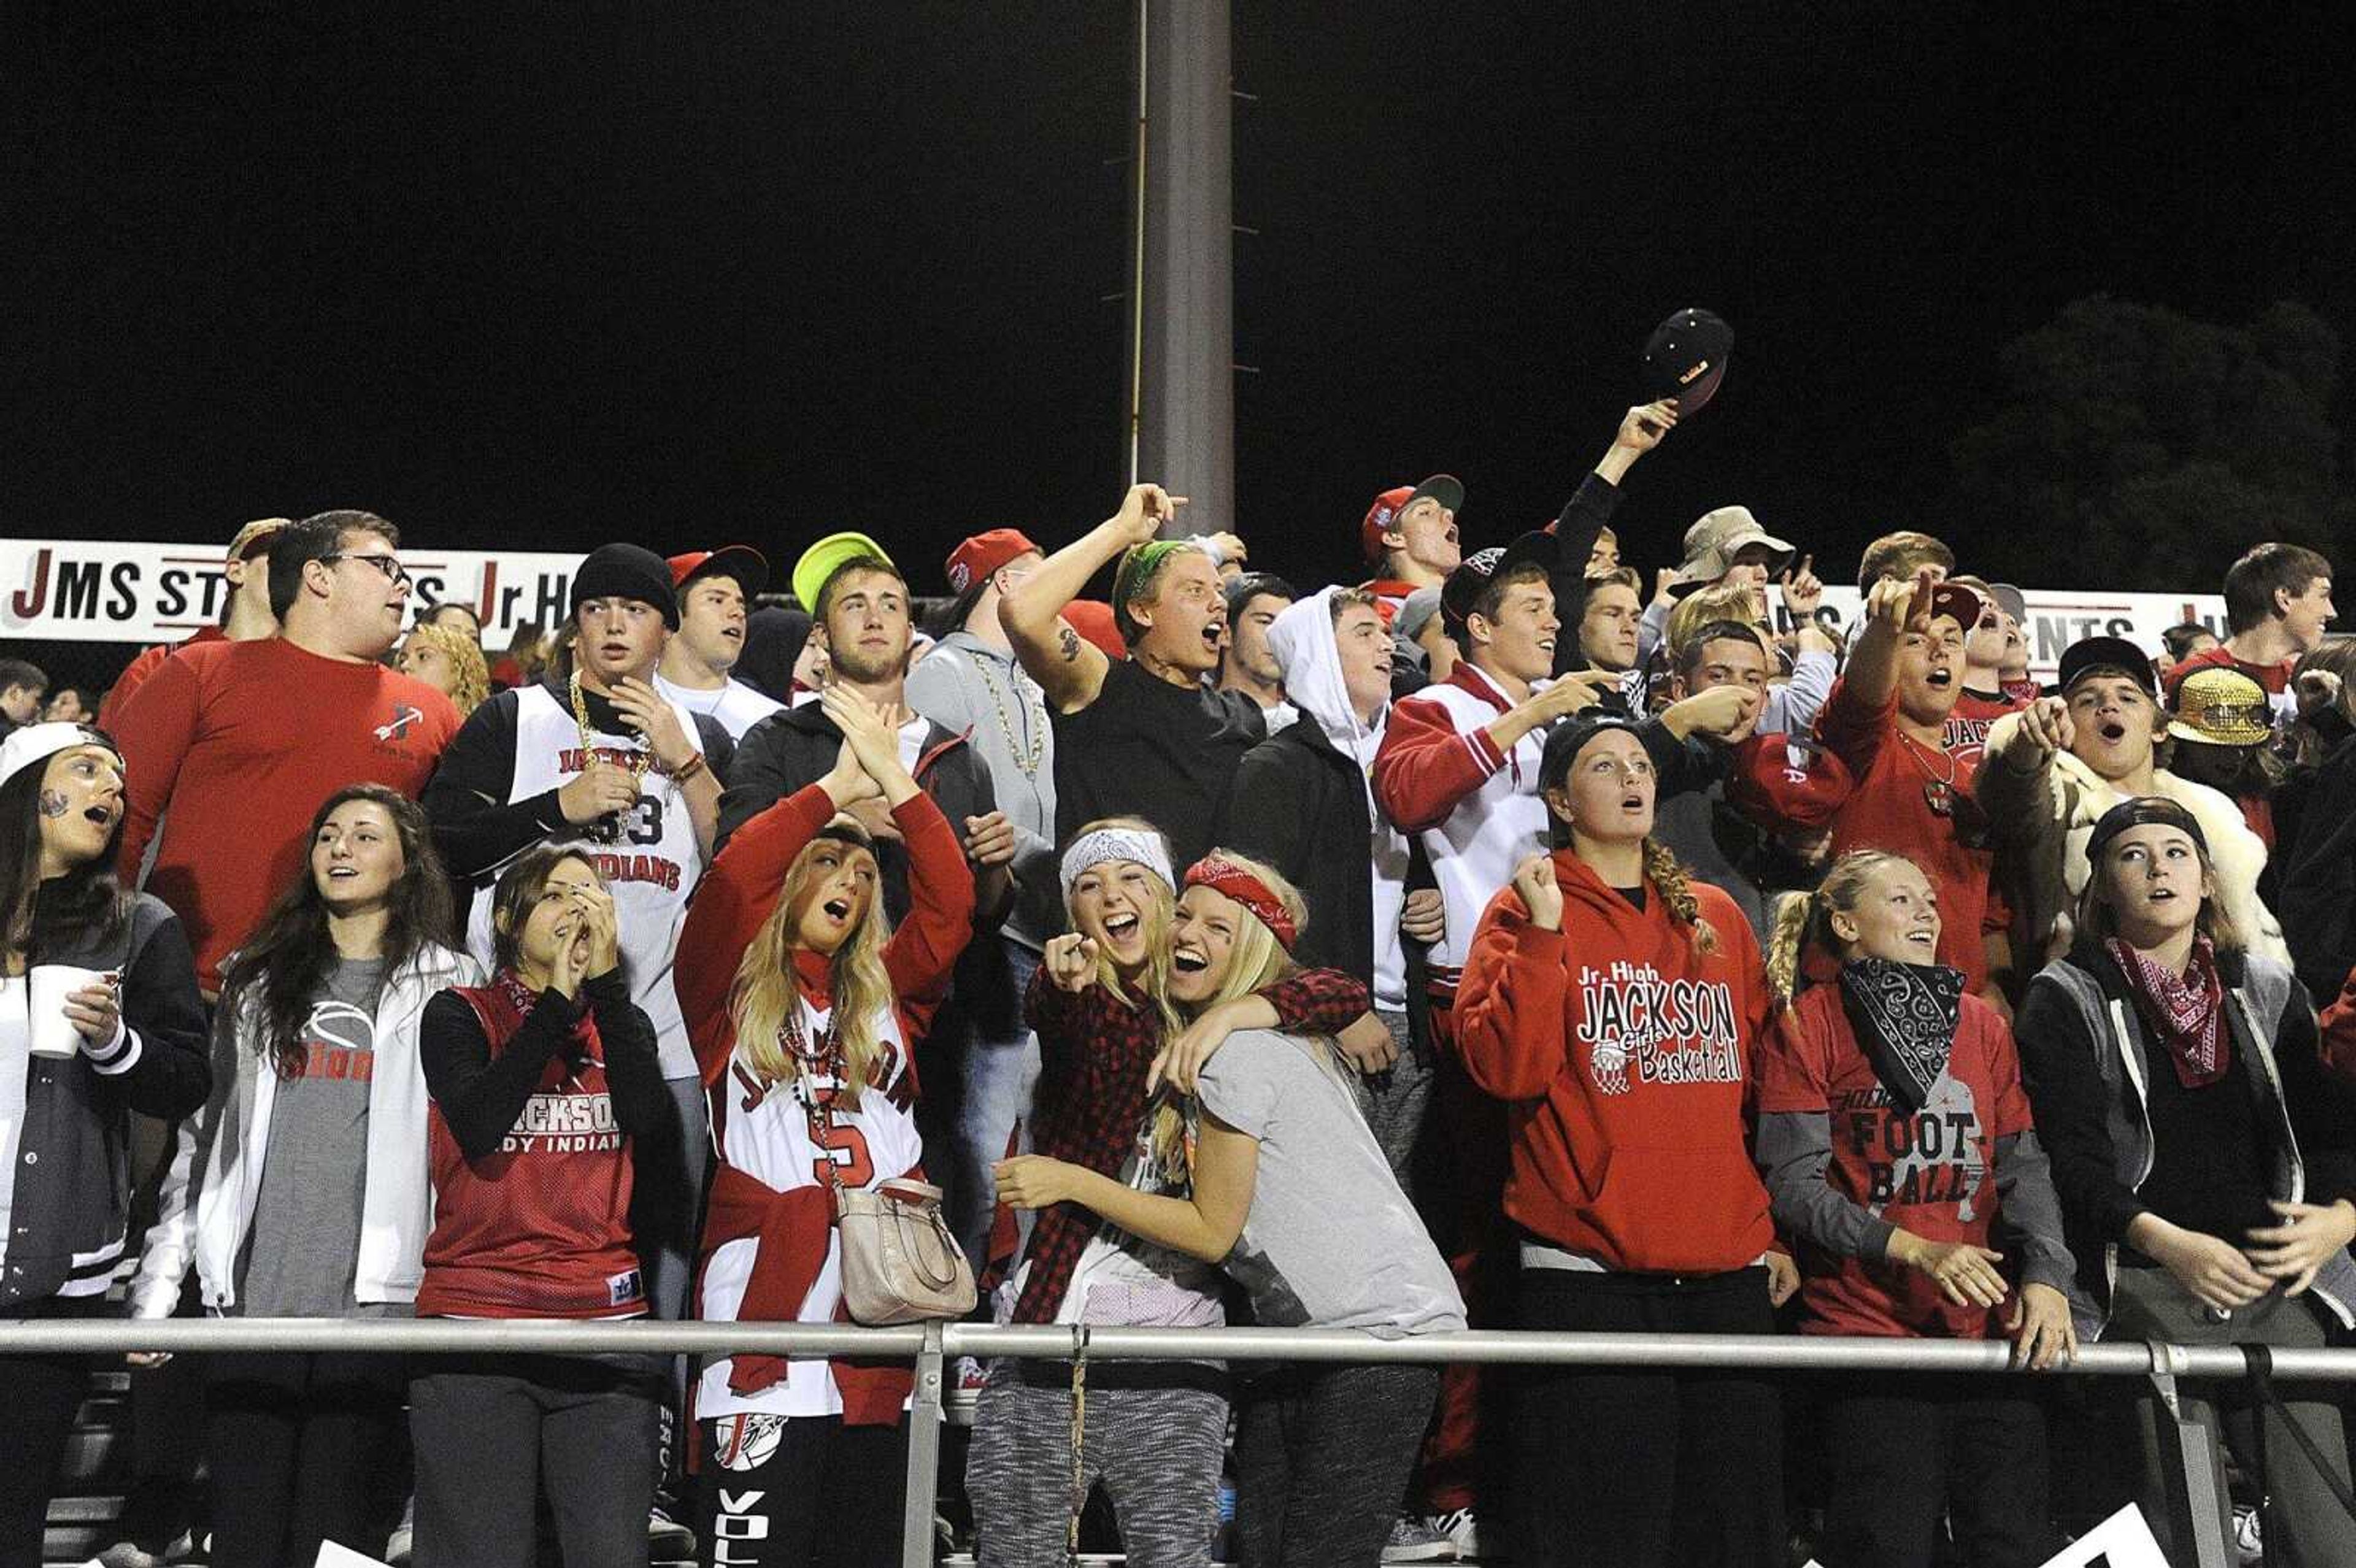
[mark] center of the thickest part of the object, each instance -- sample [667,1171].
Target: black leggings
[43,1393]
[303,1450]
[800,1492]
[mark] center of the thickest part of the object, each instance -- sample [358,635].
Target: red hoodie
[1623,1054]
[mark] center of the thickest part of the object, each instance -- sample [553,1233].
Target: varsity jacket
[206,1208]
[70,1188]
[2042,818]
[1623,1053]
[2086,1054]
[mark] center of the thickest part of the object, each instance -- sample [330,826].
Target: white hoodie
[1302,638]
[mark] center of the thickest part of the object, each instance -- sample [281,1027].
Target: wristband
[688,769]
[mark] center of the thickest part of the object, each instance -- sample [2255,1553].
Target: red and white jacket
[770,1253]
[1475,808]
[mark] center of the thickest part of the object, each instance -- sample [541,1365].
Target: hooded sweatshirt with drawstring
[1623,1053]
[1301,801]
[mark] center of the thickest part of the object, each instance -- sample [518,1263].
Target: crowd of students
[1490,943]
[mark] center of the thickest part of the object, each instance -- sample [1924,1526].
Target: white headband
[39,742]
[1117,844]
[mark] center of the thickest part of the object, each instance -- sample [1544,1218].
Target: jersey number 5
[844,1146]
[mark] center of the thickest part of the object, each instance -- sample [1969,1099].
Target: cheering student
[300,1191]
[2206,1165]
[137,1044]
[1140,736]
[1983,700]
[1103,1006]
[1247,666]
[1614,1006]
[1897,1144]
[545,1090]
[230,746]
[1289,1192]
[804,1008]
[716,591]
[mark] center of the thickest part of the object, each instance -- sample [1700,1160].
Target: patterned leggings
[1155,1451]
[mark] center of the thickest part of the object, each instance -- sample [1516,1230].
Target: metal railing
[932,1347]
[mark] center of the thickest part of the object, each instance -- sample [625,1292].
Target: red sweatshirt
[1623,1053]
[231,746]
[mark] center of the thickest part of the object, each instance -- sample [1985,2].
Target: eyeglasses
[391,567]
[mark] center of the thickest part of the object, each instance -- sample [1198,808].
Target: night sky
[697,273]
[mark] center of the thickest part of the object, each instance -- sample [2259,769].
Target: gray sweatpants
[1395,1101]
[1155,1451]
[1323,1454]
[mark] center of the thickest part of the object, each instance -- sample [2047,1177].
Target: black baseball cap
[2145,811]
[2088,656]
[1466,582]
[1686,360]
[1570,737]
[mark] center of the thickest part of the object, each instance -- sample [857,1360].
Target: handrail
[930,1346]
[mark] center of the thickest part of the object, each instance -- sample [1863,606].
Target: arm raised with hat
[1065,665]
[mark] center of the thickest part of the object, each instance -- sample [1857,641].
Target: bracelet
[688,769]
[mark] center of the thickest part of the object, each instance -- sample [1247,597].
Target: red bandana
[1222,875]
[2188,1009]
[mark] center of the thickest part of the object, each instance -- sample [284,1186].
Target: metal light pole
[1182,399]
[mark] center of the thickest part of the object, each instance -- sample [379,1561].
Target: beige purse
[900,1263]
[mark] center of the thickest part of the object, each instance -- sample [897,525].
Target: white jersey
[736,706]
[1473,851]
[651,872]
[766,1131]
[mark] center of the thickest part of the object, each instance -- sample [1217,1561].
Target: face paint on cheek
[53,803]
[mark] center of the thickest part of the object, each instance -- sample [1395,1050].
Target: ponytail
[1794,913]
[1805,919]
[1667,875]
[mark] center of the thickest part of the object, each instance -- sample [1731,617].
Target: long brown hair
[286,959]
[84,902]
[765,992]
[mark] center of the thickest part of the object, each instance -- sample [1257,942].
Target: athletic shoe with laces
[2249,1547]
[667,1541]
[1463,1532]
[1413,1541]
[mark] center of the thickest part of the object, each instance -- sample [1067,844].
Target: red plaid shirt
[1093,1055]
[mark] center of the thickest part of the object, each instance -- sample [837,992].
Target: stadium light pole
[1182,396]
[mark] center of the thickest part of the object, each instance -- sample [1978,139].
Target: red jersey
[1976,713]
[2274,677]
[230,747]
[1623,1053]
[1891,808]
[1930,1172]
[542,1227]
[136,672]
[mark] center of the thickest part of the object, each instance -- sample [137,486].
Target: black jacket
[792,749]
[69,1201]
[1299,805]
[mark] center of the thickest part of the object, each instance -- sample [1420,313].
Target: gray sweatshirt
[966,685]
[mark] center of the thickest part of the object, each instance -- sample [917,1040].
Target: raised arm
[1070,668]
[1509,1006]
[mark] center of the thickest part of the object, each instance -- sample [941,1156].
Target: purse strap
[1079,1487]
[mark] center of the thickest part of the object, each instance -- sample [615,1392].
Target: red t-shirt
[1932,1173]
[135,674]
[229,747]
[2275,677]
[1890,809]
[1967,727]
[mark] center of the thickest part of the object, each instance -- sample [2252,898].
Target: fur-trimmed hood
[2066,798]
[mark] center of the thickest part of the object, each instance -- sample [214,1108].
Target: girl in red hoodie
[803,1011]
[1614,1005]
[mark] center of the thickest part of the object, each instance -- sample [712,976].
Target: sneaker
[2248,1548]
[192,1545]
[667,1541]
[1463,1532]
[399,1545]
[1413,1541]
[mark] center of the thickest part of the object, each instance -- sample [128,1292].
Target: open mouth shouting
[1940,678]
[837,909]
[102,816]
[2112,732]
[1187,958]
[1123,932]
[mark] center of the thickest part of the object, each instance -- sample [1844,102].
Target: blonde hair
[1258,960]
[2098,920]
[1669,879]
[764,991]
[467,665]
[1805,919]
[1738,601]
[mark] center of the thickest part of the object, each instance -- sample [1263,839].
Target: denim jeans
[1000,1074]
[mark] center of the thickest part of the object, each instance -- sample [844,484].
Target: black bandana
[1905,1016]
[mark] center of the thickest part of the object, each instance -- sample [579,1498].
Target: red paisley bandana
[1222,875]
[2188,1009]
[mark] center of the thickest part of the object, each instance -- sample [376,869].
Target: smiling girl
[1289,1192]
[137,1044]
[1896,1137]
[2206,1166]
[300,1191]
[804,1007]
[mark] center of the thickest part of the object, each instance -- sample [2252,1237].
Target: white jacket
[205,1217]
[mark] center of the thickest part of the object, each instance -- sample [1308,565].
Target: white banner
[2060,616]
[112,592]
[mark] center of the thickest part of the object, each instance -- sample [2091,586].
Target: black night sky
[687,273]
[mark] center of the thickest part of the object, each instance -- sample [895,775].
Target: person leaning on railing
[2206,1163]
[134,1041]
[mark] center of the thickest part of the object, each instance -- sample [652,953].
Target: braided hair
[1671,880]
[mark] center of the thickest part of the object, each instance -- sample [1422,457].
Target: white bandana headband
[39,742]
[1117,844]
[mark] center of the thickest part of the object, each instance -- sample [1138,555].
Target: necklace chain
[639,759]
[1036,714]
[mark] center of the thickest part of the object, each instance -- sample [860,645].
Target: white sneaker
[2248,1548]
[1463,1532]
[1413,1541]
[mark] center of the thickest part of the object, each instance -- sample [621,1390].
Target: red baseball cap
[748,566]
[1785,781]
[1446,488]
[980,556]
[1092,618]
